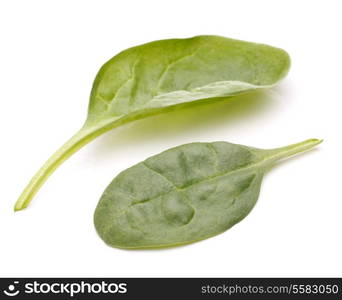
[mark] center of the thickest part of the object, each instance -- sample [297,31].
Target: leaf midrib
[256,165]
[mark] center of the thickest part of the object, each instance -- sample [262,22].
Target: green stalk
[85,135]
[276,154]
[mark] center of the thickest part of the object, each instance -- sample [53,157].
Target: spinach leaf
[164,75]
[185,194]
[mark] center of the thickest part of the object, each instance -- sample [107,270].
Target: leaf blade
[185,194]
[223,67]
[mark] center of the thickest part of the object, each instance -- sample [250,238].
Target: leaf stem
[81,138]
[284,152]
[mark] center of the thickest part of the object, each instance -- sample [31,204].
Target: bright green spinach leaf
[185,194]
[164,75]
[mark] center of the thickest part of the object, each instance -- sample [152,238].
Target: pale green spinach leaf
[164,75]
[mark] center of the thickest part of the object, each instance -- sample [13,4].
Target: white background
[49,55]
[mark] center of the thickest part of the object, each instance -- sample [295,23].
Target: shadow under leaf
[188,121]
